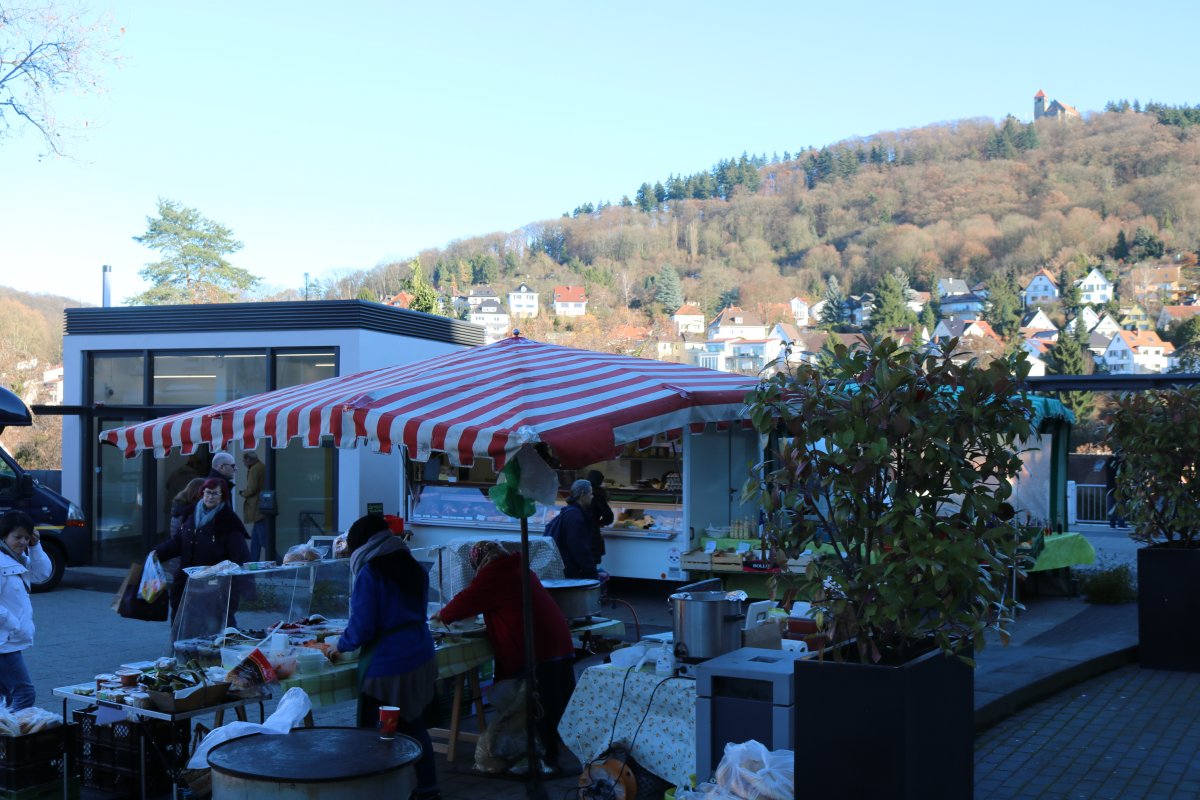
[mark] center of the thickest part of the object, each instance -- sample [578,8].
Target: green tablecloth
[1064,550]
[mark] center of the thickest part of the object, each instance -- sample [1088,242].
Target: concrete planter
[1168,607]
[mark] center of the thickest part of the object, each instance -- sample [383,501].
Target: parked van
[65,534]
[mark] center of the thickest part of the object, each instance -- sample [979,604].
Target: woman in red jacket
[495,592]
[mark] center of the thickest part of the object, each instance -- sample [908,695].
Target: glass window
[174,472]
[117,505]
[303,484]
[206,378]
[117,380]
[294,369]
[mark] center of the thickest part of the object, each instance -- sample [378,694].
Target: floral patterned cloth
[666,741]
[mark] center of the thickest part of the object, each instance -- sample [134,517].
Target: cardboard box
[766,636]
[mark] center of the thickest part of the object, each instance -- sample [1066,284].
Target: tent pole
[534,787]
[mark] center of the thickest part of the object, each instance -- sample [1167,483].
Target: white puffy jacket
[16,611]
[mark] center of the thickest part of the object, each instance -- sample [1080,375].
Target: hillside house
[734,323]
[570,301]
[401,299]
[1040,334]
[962,329]
[1134,318]
[1164,284]
[1175,315]
[1042,288]
[1037,320]
[490,314]
[1038,351]
[950,286]
[1098,343]
[969,306]
[688,318]
[1094,288]
[800,311]
[482,294]
[459,304]
[1137,353]
[1107,326]
[52,386]
[1086,317]
[917,301]
[1055,110]
[523,302]
[860,307]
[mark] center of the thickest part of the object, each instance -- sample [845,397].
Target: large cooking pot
[707,624]
[576,597]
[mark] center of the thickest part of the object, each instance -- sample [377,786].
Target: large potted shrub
[893,466]
[1156,440]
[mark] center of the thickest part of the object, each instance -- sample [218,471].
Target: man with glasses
[223,467]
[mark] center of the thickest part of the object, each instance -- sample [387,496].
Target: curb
[1041,688]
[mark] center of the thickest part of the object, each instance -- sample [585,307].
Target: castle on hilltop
[1055,110]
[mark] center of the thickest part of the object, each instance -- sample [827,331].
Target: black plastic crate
[89,729]
[52,790]
[38,746]
[23,776]
[125,732]
[127,782]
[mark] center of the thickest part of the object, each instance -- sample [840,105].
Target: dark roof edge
[292,315]
[1104,382]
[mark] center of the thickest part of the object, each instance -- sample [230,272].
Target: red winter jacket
[495,592]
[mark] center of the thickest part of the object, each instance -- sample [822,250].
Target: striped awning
[479,402]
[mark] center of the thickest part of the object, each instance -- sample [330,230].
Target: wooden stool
[454,733]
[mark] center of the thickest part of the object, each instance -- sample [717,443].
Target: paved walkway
[1062,712]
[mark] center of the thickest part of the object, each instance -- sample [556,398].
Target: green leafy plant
[893,466]
[1109,583]
[1155,436]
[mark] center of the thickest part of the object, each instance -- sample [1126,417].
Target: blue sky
[340,136]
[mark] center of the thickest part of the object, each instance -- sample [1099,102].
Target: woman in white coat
[22,560]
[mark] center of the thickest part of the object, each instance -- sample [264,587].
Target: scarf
[23,561]
[381,544]
[203,516]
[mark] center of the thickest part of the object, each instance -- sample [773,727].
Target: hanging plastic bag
[749,769]
[154,579]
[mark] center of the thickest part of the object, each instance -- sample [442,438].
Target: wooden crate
[696,560]
[726,562]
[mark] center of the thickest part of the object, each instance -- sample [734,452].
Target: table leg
[455,716]
[477,699]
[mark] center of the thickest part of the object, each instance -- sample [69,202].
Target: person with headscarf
[572,532]
[495,592]
[211,533]
[22,560]
[601,512]
[388,603]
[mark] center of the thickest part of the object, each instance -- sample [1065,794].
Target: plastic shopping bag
[750,770]
[154,579]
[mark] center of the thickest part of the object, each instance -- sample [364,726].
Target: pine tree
[1070,356]
[668,291]
[891,309]
[1004,303]
[644,197]
[424,297]
[835,311]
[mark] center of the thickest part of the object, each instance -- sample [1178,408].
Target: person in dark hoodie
[210,534]
[601,512]
[389,599]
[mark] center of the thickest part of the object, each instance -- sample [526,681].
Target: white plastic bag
[293,707]
[154,579]
[750,771]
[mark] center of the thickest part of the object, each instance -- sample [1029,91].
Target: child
[22,559]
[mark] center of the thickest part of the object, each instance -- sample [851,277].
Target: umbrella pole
[534,788]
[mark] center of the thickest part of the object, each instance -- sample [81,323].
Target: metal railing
[1091,502]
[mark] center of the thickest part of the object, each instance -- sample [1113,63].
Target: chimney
[106,289]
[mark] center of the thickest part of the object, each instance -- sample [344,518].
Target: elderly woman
[388,603]
[208,534]
[574,534]
[495,592]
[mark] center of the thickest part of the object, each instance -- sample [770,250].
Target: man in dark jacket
[223,468]
[574,534]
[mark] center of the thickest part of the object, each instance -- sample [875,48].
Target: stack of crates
[31,766]
[110,755]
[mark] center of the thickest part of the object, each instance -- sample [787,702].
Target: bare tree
[48,49]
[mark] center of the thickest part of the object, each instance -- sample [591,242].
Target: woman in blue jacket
[388,604]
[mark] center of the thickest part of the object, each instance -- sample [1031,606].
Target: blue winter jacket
[377,606]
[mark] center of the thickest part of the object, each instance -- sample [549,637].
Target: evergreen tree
[836,310]
[193,268]
[891,310]
[1029,137]
[1068,292]
[424,296]
[644,197]
[730,297]
[1004,303]
[1070,356]
[660,195]
[1120,250]
[668,291]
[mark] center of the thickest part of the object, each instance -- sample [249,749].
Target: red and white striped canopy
[481,402]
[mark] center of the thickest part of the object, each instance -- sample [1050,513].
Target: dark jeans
[555,685]
[368,717]
[261,539]
[16,688]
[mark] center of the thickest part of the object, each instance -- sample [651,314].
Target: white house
[523,302]
[962,328]
[917,301]
[801,311]
[949,286]
[570,301]
[1038,321]
[1094,288]
[861,307]
[963,305]
[1088,318]
[52,385]
[1042,288]
[480,295]
[688,319]
[734,323]
[1137,352]
[1175,315]
[1107,326]
[493,319]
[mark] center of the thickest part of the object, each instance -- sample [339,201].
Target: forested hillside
[31,342]
[962,199]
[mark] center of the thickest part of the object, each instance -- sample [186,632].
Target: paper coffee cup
[389,718]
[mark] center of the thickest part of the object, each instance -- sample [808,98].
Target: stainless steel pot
[707,624]
[576,597]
